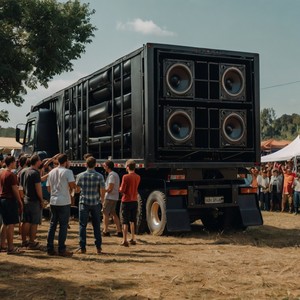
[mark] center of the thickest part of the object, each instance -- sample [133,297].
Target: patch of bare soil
[258,263]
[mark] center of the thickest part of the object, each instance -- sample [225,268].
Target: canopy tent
[7,144]
[290,151]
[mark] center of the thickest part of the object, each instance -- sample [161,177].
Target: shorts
[9,211]
[129,212]
[109,206]
[32,213]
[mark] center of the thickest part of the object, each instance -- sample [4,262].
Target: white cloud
[144,27]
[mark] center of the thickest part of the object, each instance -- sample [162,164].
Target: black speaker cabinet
[232,82]
[178,78]
[233,131]
[179,127]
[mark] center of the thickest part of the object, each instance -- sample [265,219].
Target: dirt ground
[258,263]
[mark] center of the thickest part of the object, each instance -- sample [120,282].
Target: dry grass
[259,263]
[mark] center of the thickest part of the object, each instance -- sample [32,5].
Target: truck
[188,116]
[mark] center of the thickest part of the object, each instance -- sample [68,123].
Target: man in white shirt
[111,198]
[60,181]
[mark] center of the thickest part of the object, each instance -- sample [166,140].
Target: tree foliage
[38,39]
[285,127]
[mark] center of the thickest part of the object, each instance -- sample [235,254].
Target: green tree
[267,118]
[38,39]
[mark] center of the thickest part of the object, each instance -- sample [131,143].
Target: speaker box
[232,82]
[178,78]
[233,128]
[179,127]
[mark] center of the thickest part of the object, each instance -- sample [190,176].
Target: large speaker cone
[233,128]
[232,82]
[179,126]
[178,78]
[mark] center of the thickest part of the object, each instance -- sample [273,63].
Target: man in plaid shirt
[92,187]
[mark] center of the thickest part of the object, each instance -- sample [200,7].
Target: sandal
[3,249]
[34,246]
[125,244]
[15,251]
[132,242]
[25,244]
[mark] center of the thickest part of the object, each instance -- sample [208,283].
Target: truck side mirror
[18,135]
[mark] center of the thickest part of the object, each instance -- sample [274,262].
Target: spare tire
[156,213]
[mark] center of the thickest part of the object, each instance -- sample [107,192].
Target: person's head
[62,159]
[108,165]
[275,172]
[10,161]
[130,165]
[87,155]
[35,161]
[91,162]
[24,161]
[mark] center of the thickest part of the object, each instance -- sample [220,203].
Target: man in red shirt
[10,201]
[129,189]
[287,193]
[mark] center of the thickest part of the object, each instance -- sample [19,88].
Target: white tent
[288,152]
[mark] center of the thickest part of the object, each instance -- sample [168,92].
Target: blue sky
[268,27]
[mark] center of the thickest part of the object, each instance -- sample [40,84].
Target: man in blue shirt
[92,186]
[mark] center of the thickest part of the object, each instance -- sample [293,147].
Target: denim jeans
[84,211]
[59,215]
[296,200]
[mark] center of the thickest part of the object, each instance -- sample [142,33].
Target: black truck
[188,116]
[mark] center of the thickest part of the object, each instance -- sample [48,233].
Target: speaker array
[206,106]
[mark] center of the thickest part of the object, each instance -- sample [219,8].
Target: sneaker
[80,250]
[120,234]
[106,233]
[51,252]
[132,242]
[66,253]
[99,250]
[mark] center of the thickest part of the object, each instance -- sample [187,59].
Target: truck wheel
[156,213]
[141,222]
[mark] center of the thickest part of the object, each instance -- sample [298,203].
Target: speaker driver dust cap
[179,78]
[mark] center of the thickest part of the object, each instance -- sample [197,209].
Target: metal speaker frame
[178,78]
[179,129]
[233,127]
[233,82]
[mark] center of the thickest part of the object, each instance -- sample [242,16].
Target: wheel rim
[155,214]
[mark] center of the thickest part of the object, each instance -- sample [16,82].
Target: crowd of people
[278,186]
[26,183]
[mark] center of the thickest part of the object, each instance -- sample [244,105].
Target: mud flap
[178,220]
[250,213]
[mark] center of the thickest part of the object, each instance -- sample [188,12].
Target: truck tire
[141,222]
[156,213]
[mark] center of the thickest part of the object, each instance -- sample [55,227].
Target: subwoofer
[179,126]
[233,128]
[232,82]
[178,78]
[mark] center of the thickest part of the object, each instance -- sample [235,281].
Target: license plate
[217,199]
